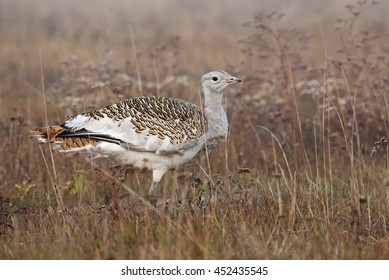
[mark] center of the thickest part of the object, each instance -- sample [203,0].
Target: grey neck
[212,100]
[216,118]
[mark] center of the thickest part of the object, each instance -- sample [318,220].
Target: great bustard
[156,133]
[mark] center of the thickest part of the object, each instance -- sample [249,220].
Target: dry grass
[296,179]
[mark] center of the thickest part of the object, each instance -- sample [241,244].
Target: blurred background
[208,31]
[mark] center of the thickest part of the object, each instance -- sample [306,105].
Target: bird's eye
[214,79]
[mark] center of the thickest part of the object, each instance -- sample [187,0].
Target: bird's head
[217,81]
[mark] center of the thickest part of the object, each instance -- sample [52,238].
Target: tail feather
[51,134]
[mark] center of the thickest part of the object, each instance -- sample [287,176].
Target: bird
[148,132]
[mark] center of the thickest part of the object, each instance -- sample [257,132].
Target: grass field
[304,174]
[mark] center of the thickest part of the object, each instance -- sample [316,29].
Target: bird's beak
[234,80]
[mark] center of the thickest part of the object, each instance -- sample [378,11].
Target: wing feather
[155,124]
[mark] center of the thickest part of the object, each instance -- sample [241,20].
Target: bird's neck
[215,115]
[213,100]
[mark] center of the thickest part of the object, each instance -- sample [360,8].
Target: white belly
[145,160]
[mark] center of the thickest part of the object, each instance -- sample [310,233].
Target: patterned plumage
[165,117]
[156,133]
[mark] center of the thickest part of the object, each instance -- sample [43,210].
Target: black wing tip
[83,133]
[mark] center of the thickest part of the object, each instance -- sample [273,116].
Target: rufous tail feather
[51,135]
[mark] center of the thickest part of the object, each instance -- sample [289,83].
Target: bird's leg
[153,191]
